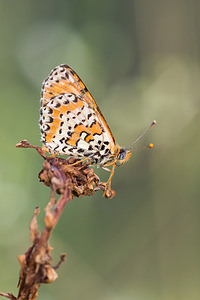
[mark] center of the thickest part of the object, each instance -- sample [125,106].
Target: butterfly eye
[122,157]
[122,154]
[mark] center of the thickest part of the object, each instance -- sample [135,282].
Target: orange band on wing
[49,137]
[89,138]
[52,130]
[72,141]
[79,103]
[80,128]
[56,122]
[56,113]
[95,128]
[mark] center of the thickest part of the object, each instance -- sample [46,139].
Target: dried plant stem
[69,178]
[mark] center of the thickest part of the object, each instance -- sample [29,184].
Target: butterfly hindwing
[69,126]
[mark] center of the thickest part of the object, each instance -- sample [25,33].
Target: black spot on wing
[62,140]
[56,148]
[80,150]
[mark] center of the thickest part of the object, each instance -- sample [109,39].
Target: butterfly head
[123,156]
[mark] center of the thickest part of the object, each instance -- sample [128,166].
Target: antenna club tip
[153,123]
[151,145]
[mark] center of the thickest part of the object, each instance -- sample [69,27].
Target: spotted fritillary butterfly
[71,123]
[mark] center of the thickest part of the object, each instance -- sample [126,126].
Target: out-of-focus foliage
[140,59]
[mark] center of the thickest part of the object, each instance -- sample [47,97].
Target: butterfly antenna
[151,126]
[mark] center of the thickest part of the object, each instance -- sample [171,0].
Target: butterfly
[72,124]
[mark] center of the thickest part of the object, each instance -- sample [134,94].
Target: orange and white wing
[71,122]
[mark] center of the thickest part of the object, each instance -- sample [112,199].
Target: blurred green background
[141,61]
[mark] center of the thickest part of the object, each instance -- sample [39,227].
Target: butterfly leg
[108,183]
[82,160]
